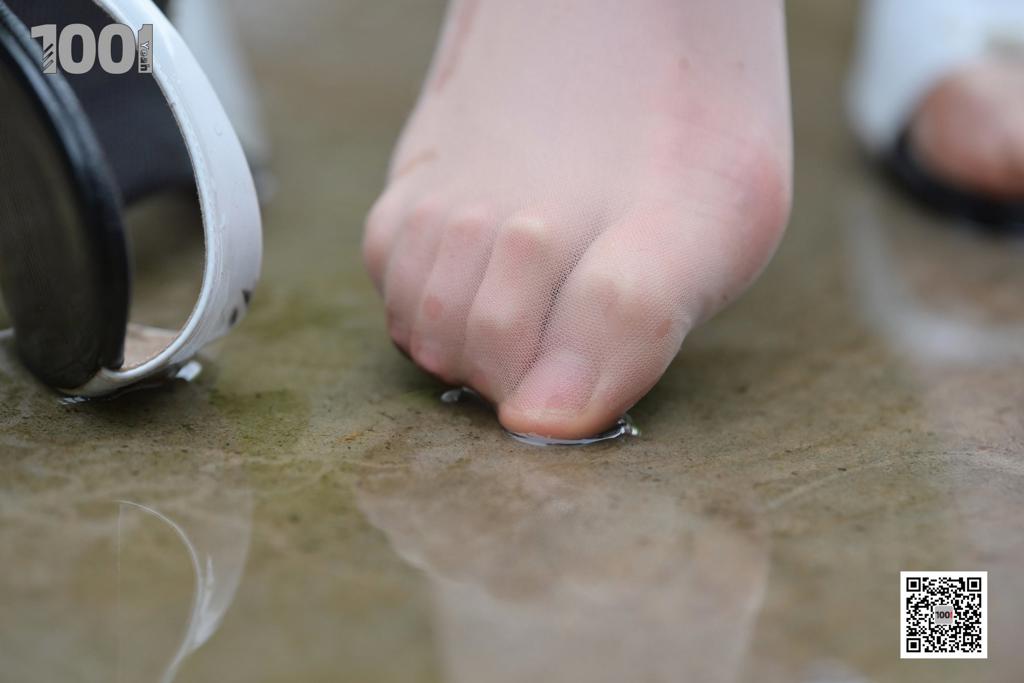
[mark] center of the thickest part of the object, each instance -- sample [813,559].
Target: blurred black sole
[989,215]
[64,264]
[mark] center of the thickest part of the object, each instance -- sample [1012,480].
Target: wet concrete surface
[308,510]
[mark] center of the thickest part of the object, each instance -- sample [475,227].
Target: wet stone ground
[309,510]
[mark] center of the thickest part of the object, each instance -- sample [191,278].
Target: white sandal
[63,251]
[905,48]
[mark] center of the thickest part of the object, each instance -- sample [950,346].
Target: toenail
[561,384]
[526,236]
[428,356]
[663,329]
[433,308]
[424,215]
[396,329]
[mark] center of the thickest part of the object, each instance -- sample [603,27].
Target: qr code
[943,615]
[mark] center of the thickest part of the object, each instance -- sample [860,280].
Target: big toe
[620,319]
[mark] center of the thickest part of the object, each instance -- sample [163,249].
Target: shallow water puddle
[623,428]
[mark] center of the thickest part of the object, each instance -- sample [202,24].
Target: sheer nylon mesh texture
[576,188]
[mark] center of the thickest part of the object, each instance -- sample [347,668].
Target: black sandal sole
[991,215]
[64,259]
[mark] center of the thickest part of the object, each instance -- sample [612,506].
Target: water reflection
[216,551]
[554,572]
[948,301]
[125,565]
[937,292]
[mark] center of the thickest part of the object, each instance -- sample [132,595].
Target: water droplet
[623,428]
[456,395]
[186,373]
[189,371]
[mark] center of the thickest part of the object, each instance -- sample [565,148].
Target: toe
[382,225]
[624,311]
[530,258]
[439,331]
[408,266]
[615,328]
